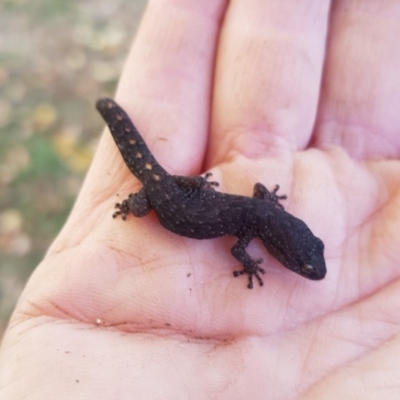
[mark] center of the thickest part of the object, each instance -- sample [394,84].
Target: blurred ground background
[56,58]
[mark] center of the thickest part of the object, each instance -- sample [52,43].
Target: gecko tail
[134,150]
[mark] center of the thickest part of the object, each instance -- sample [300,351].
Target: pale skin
[295,93]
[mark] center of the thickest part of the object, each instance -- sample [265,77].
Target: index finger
[166,83]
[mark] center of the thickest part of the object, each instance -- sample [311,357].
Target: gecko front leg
[196,182]
[250,266]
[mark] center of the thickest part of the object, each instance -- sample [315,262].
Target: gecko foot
[254,269]
[212,183]
[123,210]
[275,198]
[261,192]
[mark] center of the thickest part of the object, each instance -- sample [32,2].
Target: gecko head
[311,263]
[293,244]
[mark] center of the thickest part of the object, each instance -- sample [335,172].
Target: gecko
[190,206]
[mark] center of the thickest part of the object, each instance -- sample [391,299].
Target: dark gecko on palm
[189,206]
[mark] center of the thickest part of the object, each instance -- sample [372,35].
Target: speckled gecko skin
[189,206]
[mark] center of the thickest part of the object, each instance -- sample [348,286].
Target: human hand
[255,93]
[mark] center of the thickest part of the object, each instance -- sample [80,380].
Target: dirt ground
[56,58]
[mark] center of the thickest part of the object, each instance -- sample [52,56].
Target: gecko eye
[307,269]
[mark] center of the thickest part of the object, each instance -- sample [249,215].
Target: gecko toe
[250,285]
[212,183]
[260,281]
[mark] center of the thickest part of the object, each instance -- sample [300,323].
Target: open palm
[304,95]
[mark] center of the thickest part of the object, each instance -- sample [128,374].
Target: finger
[361,91]
[166,83]
[269,66]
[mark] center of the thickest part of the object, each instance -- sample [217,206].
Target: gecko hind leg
[261,192]
[137,203]
[250,265]
[195,183]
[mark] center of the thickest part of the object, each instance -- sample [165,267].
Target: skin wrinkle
[350,362]
[338,310]
[337,367]
[365,350]
[254,145]
[305,359]
[354,141]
